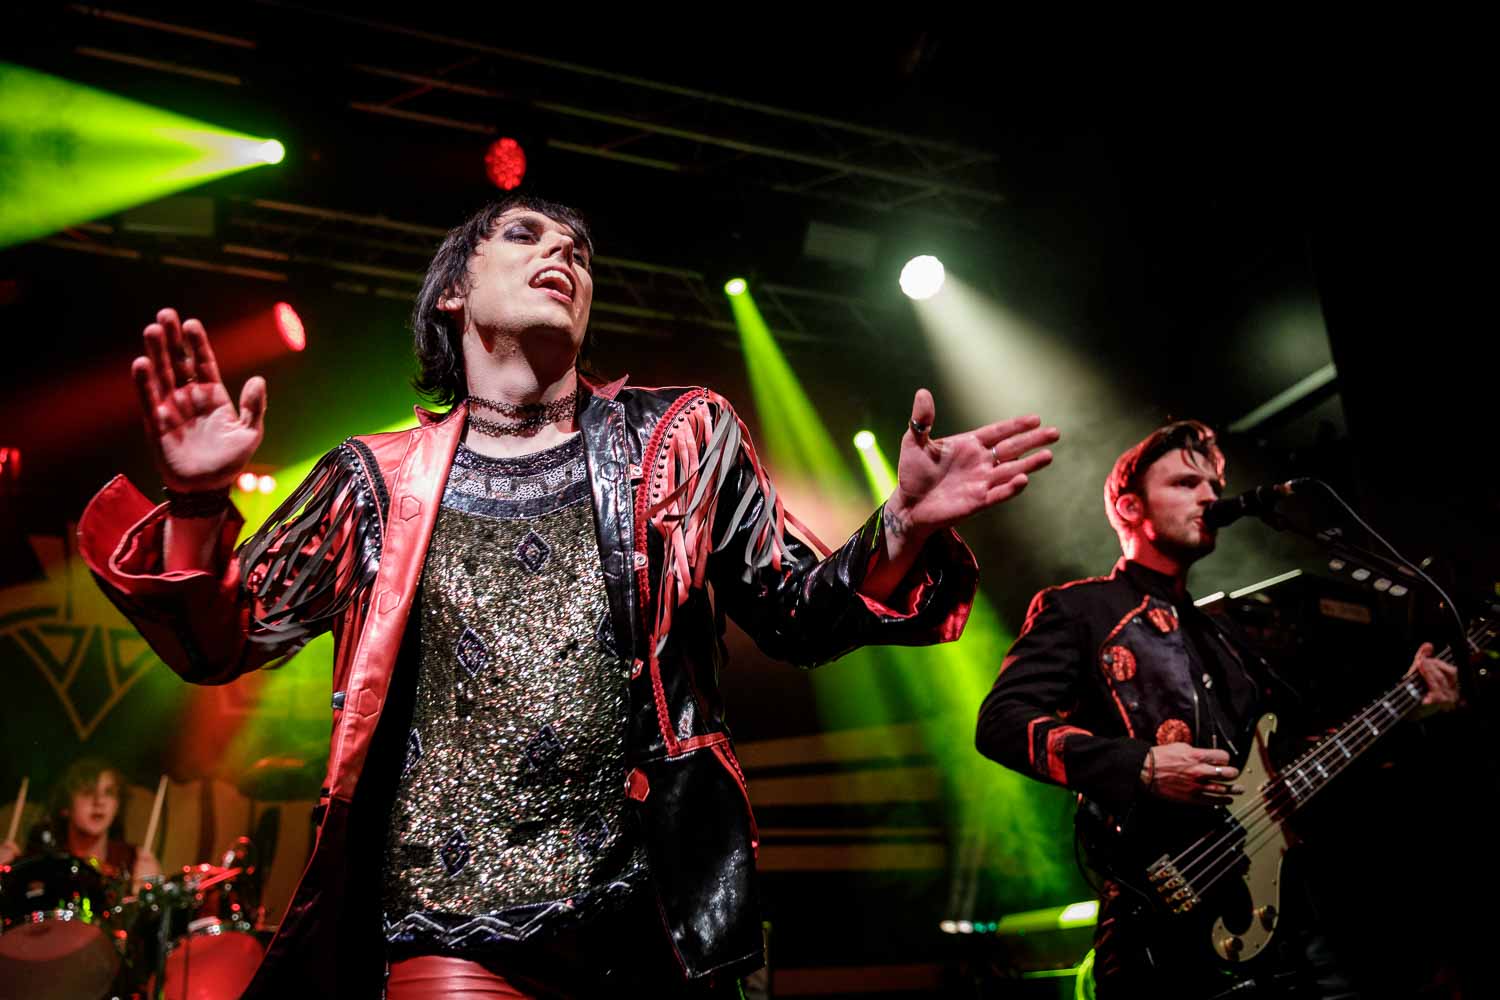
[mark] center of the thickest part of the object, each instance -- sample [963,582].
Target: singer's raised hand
[199,439]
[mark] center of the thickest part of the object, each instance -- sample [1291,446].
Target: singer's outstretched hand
[942,480]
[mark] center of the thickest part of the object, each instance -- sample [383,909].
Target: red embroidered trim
[1119,626]
[1118,662]
[1173,731]
[726,757]
[649,459]
[1053,767]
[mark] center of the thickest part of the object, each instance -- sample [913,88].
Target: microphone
[1258,502]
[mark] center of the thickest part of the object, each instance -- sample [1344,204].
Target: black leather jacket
[1107,667]
[696,815]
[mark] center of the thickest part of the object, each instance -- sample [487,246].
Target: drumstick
[161,795]
[15,817]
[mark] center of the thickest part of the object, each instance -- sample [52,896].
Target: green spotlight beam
[798,447]
[1004,819]
[70,153]
[793,434]
[1010,817]
[878,471]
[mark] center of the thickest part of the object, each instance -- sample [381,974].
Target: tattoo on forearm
[897,524]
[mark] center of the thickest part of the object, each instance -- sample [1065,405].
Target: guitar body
[1217,910]
[1200,888]
[1244,932]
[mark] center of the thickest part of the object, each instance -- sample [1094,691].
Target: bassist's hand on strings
[1178,772]
[1441,678]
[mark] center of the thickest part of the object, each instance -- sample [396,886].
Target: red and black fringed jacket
[690,530]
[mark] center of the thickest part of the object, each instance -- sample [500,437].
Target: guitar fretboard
[1306,776]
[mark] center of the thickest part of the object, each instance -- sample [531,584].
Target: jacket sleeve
[1023,722]
[806,610]
[286,584]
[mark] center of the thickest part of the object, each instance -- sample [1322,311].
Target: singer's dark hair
[1191,437]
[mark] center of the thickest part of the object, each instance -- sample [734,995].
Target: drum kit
[69,933]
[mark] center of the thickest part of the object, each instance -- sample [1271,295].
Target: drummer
[84,820]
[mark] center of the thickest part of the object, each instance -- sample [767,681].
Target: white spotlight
[922,277]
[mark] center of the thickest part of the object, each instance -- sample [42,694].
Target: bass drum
[215,952]
[56,940]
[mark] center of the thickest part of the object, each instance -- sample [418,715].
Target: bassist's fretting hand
[1441,678]
[1178,772]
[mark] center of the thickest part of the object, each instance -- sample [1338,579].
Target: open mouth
[555,282]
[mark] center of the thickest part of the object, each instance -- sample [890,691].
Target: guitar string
[1264,828]
[1225,856]
[1242,824]
[1322,749]
[1253,833]
[1247,825]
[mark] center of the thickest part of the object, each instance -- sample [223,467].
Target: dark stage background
[1152,239]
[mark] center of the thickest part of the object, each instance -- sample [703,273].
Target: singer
[1121,690]
[531,789]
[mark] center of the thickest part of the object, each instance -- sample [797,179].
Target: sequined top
[510,812]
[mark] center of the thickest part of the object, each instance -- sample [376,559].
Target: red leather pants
[437,977]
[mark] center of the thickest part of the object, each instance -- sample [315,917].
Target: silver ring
[920,430]
[995,451]
[1218,772]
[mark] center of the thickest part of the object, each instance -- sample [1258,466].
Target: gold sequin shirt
[510,812]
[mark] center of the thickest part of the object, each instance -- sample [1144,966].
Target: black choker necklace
[529,416]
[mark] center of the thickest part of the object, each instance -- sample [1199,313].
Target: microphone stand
[1334,540]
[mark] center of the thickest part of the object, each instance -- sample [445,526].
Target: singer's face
[1176,489]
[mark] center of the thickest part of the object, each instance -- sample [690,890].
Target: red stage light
[505,164]
[10,466]
[289,325]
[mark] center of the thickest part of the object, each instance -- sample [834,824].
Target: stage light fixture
[265,484]
[289,325]
[248,482]
[735,286]
[922,277]
[864,440]
[505,163]
[1082,914]
[71,153]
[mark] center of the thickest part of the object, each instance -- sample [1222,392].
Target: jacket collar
[1154,583]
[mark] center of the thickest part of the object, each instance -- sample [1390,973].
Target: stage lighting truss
[447,81]
[275,241]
